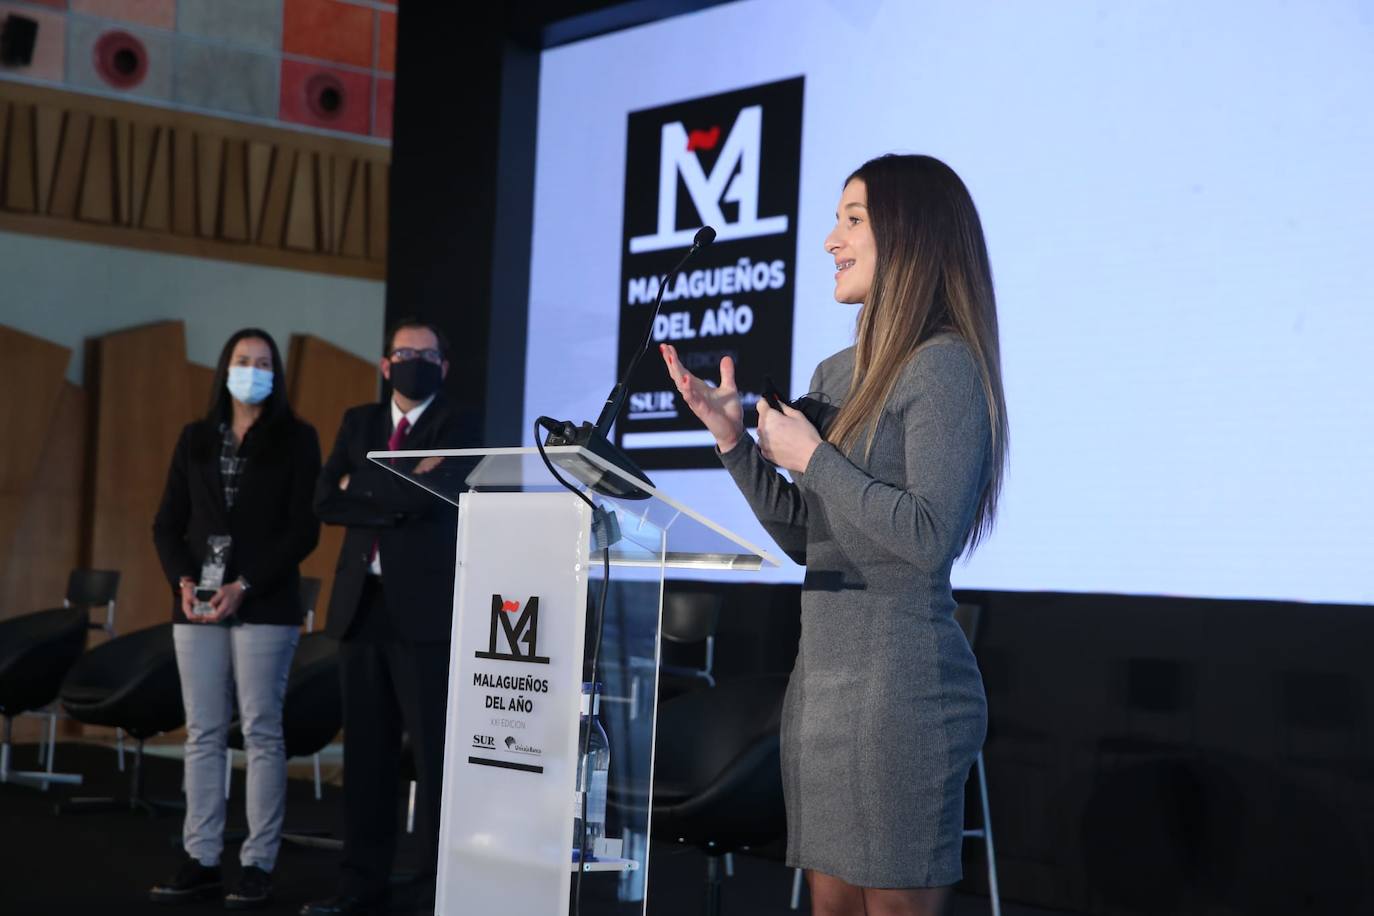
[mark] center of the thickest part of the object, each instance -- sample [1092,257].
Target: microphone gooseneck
[594,436]
[705,236]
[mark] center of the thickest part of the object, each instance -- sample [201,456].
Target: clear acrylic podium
[529,575]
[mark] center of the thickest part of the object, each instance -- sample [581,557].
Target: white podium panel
[515,682]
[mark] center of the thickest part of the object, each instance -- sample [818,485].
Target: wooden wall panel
[48,124]
[4,136]
[281,170]
[114,172]
[20,172]
[139,415]
[259,169]
[98,201]
[183,150]
[155,209]
[124,171]
[32,373]
[352,228]
[71,161]
[303,211]
[322,382]
[143,146]
[47,543]
[233,215]
[378,183]
[209,165]
[199,379]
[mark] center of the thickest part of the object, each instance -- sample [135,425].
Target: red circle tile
[120,59]
[326,96]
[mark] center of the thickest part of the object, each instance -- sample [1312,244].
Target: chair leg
[318,793]
[45,747]
[993,893]
[314,839]
[38,779]
[5,751]
[51,745]
[713,885]
[119,747]
[228,770]
[135,802]
[410,809]
[796,889]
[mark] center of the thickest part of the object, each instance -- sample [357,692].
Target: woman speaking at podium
[885,710]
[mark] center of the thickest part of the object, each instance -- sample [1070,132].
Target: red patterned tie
[398,436]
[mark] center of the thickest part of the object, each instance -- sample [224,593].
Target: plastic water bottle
[592,770]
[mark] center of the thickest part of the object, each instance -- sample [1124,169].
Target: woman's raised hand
[718,408]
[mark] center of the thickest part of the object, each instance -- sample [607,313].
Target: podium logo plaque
[513,631]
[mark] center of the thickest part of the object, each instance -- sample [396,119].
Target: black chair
[88,590]
[131,683]
[36,651]
[689,618]
[717,772]
[410,776]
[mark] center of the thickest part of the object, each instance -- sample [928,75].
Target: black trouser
[389,686]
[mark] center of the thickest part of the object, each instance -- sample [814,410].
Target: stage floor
[105,862]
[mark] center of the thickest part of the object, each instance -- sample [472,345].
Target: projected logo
[509,632]
[733,162]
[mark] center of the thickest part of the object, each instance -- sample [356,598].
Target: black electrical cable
[582,849]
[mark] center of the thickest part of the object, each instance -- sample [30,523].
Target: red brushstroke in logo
[703,139]
[510,607]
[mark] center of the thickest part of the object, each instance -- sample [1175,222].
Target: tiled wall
[325,64]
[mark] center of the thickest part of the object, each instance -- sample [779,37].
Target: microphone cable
[598,514]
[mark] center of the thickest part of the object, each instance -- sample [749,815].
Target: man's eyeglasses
[401,354]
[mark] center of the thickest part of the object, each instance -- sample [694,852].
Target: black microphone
[595,437]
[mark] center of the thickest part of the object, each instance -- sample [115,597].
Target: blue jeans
[212,660]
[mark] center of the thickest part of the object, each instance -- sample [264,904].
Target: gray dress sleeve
[924,520]
[777,501]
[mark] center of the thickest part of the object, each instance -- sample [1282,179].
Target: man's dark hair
[410,321]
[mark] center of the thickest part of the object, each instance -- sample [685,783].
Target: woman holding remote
[885,710]
[234,524]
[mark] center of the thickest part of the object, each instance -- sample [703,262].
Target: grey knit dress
[885,710]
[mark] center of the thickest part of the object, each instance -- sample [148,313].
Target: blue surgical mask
[249,384]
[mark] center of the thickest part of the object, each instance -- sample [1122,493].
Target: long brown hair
[931,276]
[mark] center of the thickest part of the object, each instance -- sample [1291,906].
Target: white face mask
[249,384]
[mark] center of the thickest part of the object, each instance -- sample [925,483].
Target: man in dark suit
[391,609]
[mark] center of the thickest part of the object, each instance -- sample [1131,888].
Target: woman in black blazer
[247,471]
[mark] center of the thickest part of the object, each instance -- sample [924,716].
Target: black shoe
[346,905]
[254,887]
[192,881]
